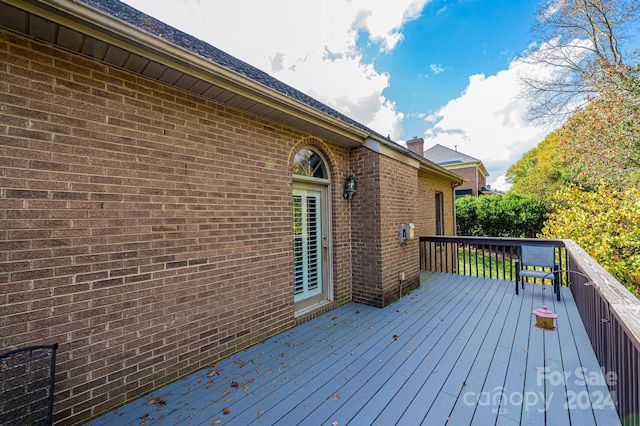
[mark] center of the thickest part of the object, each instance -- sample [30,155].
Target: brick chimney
[416,145]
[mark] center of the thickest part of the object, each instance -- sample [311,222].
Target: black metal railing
[609,312]
[480,256]
[27,385]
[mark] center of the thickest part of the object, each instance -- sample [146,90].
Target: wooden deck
[457,351]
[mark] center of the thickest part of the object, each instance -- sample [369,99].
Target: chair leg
[517,265]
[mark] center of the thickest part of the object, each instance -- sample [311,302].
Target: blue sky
[444,70]
[448,43]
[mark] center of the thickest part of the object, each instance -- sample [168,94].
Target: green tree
[588,171]
[511,215]
[491,216]
[541,171]
[466,217]
[527,214]
[606,223]
[601,143]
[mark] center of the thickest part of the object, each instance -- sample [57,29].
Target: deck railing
[480,256]
[611,316]
[610,313]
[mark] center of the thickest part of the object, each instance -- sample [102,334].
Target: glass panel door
[307,244]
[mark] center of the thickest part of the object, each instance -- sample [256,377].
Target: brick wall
[399,194]
[475,179]
[428,185]
[146,230]
[366,232]
[387,197]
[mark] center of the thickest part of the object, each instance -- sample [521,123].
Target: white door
[307,244]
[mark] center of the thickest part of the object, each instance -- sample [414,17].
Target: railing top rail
[509,242]
[621,302]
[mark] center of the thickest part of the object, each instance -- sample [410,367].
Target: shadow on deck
[459,350]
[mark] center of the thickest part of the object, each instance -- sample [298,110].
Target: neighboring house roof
[449,158]
[121,36]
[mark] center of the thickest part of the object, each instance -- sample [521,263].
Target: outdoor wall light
[350,186]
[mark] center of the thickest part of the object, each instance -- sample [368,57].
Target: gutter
[124,35]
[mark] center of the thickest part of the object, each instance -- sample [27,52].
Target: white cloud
[309,45]
[500,184]
[487,121]
[486,118]
[437,68]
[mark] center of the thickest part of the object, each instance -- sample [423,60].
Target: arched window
[309,163]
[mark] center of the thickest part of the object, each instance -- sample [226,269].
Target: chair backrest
[538,255]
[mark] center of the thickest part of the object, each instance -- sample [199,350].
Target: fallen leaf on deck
[212,373]
[155,400]
[216,421]
[334,423]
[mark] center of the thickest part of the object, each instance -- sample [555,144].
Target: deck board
[463,411]
[458,350]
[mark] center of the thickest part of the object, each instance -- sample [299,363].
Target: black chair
[538,261]
[26,385]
